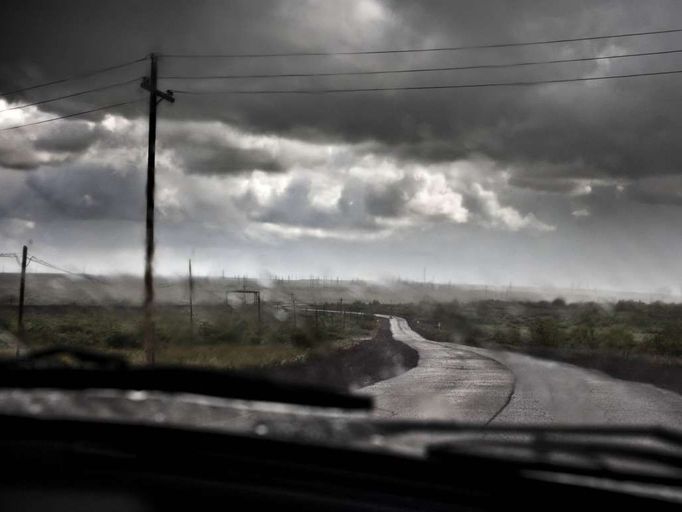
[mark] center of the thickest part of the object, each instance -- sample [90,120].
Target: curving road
[463,383]
[449,382]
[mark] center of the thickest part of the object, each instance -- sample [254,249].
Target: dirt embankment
[365,363]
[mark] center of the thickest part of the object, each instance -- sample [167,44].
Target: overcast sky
[574,184]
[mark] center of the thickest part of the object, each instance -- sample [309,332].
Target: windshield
[469,211]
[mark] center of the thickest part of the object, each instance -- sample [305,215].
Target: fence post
[22,288]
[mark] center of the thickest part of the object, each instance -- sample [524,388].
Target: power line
[52,266]
[72,95]
[114,105]
[73,77]
[427,87]
[418,50]
[418,70]
[59,269]
[11,255]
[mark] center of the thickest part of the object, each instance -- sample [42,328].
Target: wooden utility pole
[293,303]
[22,288]
[155,96]
[191,293]
[259,314]
[256,300]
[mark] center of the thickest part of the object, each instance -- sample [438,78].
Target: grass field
[626,328]
[219,336]
[232,337]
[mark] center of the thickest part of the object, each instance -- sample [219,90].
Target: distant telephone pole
[191,293]
[260,321]
[256,300]
[22,287]
[155,97]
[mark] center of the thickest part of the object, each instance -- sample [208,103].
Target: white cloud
[436,198]
[499,216]
[325,191]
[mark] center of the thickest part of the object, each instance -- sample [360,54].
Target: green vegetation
[222,336]
[232,337]
[626,328]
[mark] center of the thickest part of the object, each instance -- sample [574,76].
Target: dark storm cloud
[228,161]
[389,200]
[19,158]
[657,190]
[210,152]
[616,128]
[86,193]
[74,139]
[50,146]
[540,183]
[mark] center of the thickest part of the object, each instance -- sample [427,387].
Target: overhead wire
[60,269]
[73,77]
[418,70]
[51,265]
[13,255]
[72,95]
[425,87]
[419,50]
[83,112]
[358,73]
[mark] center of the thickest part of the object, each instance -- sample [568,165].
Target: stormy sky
[565,184]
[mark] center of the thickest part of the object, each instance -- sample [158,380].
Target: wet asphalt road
[449,382]
[456,382]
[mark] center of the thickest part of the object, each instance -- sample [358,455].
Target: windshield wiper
[50,368]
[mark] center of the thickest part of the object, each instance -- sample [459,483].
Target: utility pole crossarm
[167,95]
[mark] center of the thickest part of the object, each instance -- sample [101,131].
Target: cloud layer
[528,173]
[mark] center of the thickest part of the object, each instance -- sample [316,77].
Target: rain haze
[570,184]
